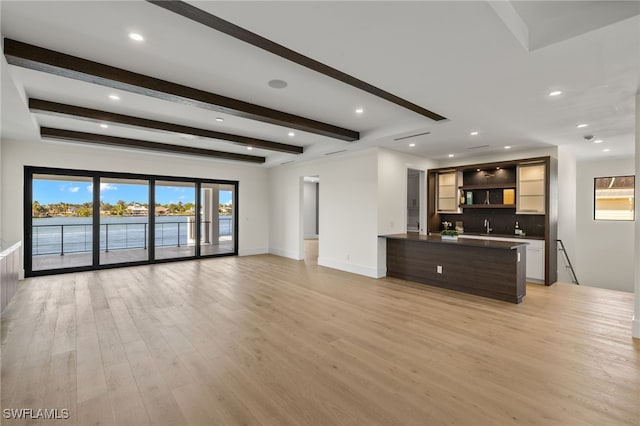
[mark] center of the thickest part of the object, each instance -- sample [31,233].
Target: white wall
[392,190]
[363,195]
[605,249]
[309,209]
[392,196]
[348,210]
[1,190]
[567,231]
[252,190]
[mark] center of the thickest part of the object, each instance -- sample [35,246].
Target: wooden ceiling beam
[54,108]
[93,138]
[214,22]
[41,59]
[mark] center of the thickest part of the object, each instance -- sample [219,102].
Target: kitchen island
[488,268]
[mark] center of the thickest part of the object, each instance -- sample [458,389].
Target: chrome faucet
[487,226]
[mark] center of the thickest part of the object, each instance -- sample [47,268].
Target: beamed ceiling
[425,75]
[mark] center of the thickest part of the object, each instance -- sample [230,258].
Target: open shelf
[488,187]
[488,206]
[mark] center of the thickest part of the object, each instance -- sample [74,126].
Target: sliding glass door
[61,221]
[124,220]
[175,223]
[217,219]
[83,220]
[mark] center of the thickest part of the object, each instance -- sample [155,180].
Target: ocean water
[53,235]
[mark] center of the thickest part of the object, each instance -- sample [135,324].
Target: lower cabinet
[535,255]
[535,260]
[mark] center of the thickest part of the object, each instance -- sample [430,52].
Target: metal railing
[77,238]
[569,265]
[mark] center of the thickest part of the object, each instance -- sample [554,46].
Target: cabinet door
[535,260]
[531,189]
[447,196]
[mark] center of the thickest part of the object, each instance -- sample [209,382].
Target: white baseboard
[21,275]
[284,253]
[251,252]
[354,269]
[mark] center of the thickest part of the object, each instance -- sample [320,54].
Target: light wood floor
[273,341]
[71,260]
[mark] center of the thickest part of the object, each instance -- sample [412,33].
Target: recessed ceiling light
[580,126]
[474,133]
[498,168]
[606,150]
[507,147]
[291,134]
[104,126]
[219,119]
[249,148]
[277,84]
[555,93]
[450,155]
[598,141]
[412,145]
[477,170]
[136,37]
[359,111]
[114,97]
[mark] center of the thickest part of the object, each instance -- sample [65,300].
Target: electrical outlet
[439,269]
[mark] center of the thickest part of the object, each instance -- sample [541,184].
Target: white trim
[635,328]
[251,252]
[354,269]
[7,251]
[290,254]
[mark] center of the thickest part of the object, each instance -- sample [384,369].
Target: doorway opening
[413,200]
[311,218]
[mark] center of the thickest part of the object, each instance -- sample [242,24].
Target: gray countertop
[518,237]
[488,243]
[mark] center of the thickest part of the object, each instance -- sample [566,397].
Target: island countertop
[461,241]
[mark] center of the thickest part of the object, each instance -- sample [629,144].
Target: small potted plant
[449,234]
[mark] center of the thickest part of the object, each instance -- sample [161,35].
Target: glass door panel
[124,220]
[217,221]
[175,227]
[61,222]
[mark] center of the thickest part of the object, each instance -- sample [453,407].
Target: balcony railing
[77,238]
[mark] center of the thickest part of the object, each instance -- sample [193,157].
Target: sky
[77,192]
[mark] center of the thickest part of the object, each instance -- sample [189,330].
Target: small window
[614,198]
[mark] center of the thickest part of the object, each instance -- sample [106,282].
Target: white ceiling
[458,59]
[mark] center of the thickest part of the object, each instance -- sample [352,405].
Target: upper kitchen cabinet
[531,189]
[448,198]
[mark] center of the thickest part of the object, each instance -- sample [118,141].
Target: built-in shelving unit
[479,194]
[447,184]
[531,189]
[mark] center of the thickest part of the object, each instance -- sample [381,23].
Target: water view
[56,235]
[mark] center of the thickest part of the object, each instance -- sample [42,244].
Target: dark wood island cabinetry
[489,268]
